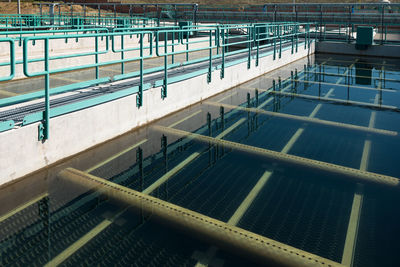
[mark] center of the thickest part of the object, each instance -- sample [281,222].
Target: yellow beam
[308,120]
[349,61]
[340,101]
[357,175]
[240,211]
[186,118]
[354,220]
[171,173]
[104,162]
[187,161]
[341,85]
[344,75]
[22,207]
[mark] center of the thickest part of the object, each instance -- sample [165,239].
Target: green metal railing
[161,42]
[36,22]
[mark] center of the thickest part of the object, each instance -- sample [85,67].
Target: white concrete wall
[21,153]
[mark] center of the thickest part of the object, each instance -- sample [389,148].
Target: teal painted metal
[6,125]
[53,91]
[64,21]
[58,111]
[11,62]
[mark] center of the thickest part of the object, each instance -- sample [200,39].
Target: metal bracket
[139,98]
[41,132]
[164,90]
[209,76]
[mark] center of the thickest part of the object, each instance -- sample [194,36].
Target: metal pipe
[308,120]
[233,239]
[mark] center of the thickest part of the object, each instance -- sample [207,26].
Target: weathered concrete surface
[22,153]
[350,49]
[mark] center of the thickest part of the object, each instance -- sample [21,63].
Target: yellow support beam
[336,100]
[104,162]
[308,119]
[22,207]
[255,247]
[184,119]
[356,208]
[341,171]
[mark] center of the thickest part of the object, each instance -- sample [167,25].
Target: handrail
[189,39]
[11,63]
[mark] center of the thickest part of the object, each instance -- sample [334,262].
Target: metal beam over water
[342,171]
[308,120]
[233,239]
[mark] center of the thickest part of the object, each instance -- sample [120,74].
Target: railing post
[173,48]
[122,54]
[222,74]
[382,22]
[257,37]
[274,36]
[280,41]
[249,43]
[96,56]
[165,85]
[210,59]
[139,97]
[320,20]
[46,133]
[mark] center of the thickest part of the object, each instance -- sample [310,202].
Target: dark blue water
[299,205]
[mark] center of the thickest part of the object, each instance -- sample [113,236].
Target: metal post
[19,7]
[164,88]
[195,8]
[222,114]
[47,90]
[320,22]
[84,12]
[210,59]
[382,21]
[122,54]
[99,14]
[222,74]
[96,56]
[139,97]
[249,43]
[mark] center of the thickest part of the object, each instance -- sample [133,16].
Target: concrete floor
[28,85]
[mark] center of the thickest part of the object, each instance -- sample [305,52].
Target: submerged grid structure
[296,167]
